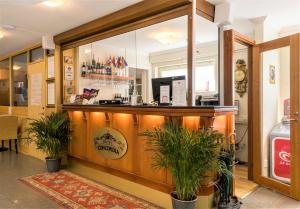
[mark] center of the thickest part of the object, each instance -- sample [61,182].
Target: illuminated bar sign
[110,143]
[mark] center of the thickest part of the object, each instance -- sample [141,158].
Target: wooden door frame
[294,42]
[230,37]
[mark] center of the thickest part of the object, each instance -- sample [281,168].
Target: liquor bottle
[98,67]
[104,70]
[83,70]
[93,62]
[89,70]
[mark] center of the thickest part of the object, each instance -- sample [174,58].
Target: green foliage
[225,183]
[51,134]
[189,154]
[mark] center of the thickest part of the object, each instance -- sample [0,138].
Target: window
[20,82]
[36,54]
[4,82]
[174,72]
[205,78]
[205,75]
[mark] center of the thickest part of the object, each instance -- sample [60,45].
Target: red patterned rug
[74,192]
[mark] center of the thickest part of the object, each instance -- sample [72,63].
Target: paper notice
[179,93]
[36,89]
[165,94]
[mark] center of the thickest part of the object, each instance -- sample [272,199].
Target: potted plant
[188,154]
[225,183]
[51,134]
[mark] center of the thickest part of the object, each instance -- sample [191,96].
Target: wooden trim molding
[292,190]
[228,67]
[205,9]
[161,17]
[153,110]
[230,37]
[125,16]
[132,14]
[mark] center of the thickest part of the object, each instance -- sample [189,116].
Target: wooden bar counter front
[130,121]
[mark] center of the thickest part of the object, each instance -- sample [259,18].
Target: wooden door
[275,78]
[36,89]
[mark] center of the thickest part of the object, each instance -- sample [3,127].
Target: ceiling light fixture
[87,51]
[52,3]
[167,37]
[7,27]
[1,35]
[16,67]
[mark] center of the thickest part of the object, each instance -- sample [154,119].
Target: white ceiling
[280,14]
[33,19]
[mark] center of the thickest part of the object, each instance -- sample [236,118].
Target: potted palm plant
[189,155]
[51,134]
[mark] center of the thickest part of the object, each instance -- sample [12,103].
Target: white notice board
[36,89]
[51,93]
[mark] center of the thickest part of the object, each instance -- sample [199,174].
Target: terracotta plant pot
[179,204]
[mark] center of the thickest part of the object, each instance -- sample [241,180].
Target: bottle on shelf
[83,70]
[98,67]
[93,62]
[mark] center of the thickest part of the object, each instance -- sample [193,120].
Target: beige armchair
[9,130]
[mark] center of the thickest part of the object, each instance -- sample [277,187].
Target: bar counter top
[153,110]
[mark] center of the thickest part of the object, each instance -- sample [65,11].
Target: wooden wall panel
[79,128]
[96,121]
[124,124]
[149,122]
[137,164]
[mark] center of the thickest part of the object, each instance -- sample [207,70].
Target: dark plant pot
[179,204]
[53,165]
[233,204]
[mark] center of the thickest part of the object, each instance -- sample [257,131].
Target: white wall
[241,126]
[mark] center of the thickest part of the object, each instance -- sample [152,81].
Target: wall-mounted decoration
[241,77]
[36,89]
[272,74]
[51,93]
[51,69]
[110,143]
[68,60]
[69,73]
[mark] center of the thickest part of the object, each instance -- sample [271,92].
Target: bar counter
[130,121]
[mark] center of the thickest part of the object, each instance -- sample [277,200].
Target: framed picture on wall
[68,60]
[272,74]
[69,73]
[50,94]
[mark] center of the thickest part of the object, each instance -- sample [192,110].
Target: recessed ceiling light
[167,37]
[16,67]
[87,51]
[53,3]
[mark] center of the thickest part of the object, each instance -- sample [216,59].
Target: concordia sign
[110,143]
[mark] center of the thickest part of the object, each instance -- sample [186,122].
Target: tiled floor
[267,199]
[14,194]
